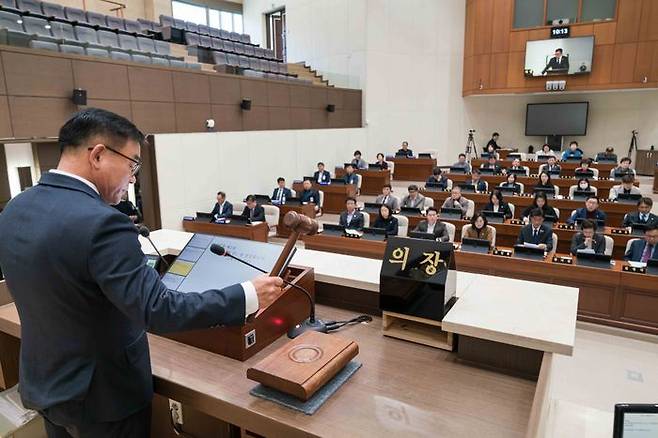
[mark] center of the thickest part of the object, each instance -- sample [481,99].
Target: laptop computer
[475,245]
[487,171]
[599,223]
[457,169]
[528,252]
[338,181]
[495,217]
[406,211]
[374,234]
[550,220]
[628,198]
[543,157]
[553,172]
[371,207]
[513,155]
[573,159]
[203,217]
[652,266]
[467,188]
[293,201]
[421,235]
[581,195]
[587,258]
[635,420]
[516,171]
[451,213]
[637,229]
[606,160]
[549,191]
[374,166]
[434,186]
[332,230]
[425,155]
[263,199]
[509,190]
[584,173]
[237,219]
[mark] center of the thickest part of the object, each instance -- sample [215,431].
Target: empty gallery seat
[98,53]
[97,20]
[37,26]
[11,30]
[120,56]
[64,32]
[160,61]
[32,7]
[44,45]
[53,10]
[71,49]
[9,6]
[133,27]
[115,23]
[75,15]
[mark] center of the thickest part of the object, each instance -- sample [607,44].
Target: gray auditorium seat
[38,27]
[9,6]
[141,59]
[254,64]
[217,44]
[63,32]
[120,56]
[146,45]
[238,48]
[160,61]
[253,73]
[191,27]
[269,53]
[98,53]
[233,60]
[87,36]
[228,46]
[249,50]
[166,20]
[220,58]
[74,50]
[224,34]
[176,63]
[75,15]
[234,36]
[193,65]
[145,24]
[191,39]
[108,39]
[259,52]
[129,43]
[32,7]
[179,24]
[243,62]
[205,41]
[264,65]
[97,19]
[273,67]
[115,23]
[44,45]
[53,10]
[214,32]
[133,27]
[283,68]
[204,30]
[245,39]
[11,30]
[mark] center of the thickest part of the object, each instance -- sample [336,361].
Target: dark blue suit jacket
[634,253]
[324,179]
[286,193]
[227,210]
[581,213]
[85,298]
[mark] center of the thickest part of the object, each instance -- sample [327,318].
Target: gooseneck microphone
[145,232]
[311,324]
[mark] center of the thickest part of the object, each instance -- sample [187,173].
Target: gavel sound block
[269,323]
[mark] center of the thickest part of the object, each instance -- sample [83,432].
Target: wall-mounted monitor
[556,118]
[559,56]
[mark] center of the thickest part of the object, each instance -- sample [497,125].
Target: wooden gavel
[299,225]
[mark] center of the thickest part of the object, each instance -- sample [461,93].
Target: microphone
[145,232]
[310,324]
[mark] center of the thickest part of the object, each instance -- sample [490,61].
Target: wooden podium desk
[305,209]
[334,195]
[413,169]
[568,167]
[373,180]
[603,185]
[257,232]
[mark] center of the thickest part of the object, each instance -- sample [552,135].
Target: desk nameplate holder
[417,288]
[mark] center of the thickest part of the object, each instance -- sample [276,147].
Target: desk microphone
[145,232]
[310,324]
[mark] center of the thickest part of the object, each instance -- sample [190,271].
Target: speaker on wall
[79,96]
[331,108]
[246,104]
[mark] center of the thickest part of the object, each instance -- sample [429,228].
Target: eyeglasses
[134,168]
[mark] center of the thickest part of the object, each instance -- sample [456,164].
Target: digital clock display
[560,32]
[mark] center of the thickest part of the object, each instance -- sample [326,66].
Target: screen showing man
[558,63]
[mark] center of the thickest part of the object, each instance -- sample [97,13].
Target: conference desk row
[372,180]
[334,195]
[607,296]
[568,167]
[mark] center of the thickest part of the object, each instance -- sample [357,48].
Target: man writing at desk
[536,232]
[85,294]
[642,250]
[387,198]
[558,63]
[253,211]
[588,239]
[222,208]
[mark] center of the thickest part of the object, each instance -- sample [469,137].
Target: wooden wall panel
[39,116]
[469,71]
[649,21]
[300,118]
[191,88]
[502,22]
[154,117]
[278,94]
[102,80]
[256,120]
[653,75]
[582,30]
[335,97]
[48,154]
[335,119]
[121,107]
[499,65]
[482,69]
[602,67]
[5,193]
[515,78]
[604,33]
[319,119]
[191,117]
[37,75]
[319,98]
[644,61]
[5,119]
[256,90]
[227,117]
[352,100]
[3,86]
[623,63]
[628,20]
[469,41]
[483,26]
[300,97]
[352,118]
[279,117]
[224,90]
[150,85]
[517,40]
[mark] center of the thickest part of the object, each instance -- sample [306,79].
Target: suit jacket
[578,242]
[408,152]
[440,230]
[311,196]
[548,168]
[355,224]
[258,215]
[547,210]
[545,236]
[419,202]
[226,210]
[634,217]
[325,179]
[465,165]
[481,186]
[620,171]
[383,164]
[485,233]
[502,208]
[616,190]
[555,64]
[390,225]
[360,164]
[581,213]
[351,179]
[496,168]
[461,203]
[286,194]
[86,298]
[393,202]
[634,253]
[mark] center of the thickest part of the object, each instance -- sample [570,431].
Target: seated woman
[438,179]
[511,183]
[584,186]
[544,181]
[381,162]
[385,220]
[585,165]
[541,202]
[479,229]
[497,204]
[546,150]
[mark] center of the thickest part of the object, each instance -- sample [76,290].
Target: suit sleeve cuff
[250,298]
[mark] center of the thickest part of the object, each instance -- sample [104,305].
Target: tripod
[633,144]
[471,147]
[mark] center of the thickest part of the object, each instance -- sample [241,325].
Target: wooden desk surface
[440,397]
[373,180]
[568,167]
[408,169]
[257,232]
[334,195]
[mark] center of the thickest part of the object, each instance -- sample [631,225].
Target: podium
[413,169]
[334,195]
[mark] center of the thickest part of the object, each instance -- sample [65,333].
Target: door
[276,32]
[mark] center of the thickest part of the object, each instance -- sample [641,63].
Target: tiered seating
[49,26]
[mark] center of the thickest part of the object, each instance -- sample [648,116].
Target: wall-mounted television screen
[559,56]
[556,118]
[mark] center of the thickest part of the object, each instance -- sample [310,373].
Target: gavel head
[300,223]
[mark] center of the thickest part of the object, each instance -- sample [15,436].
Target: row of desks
[607,296]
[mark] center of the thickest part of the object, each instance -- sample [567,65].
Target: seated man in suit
[126,207]
[404,151]
[456,200]
[608,155]
[480,186]
[462,163]
[588,238]
[438,179]
[643,214]
[350,177]
[432,225]
[624,168]
[387,198]
[492,164]
[281,193]
[222,209]
[573,152]
[557,63]
[310,196]
[589,211]
[536,232]
[351,219]
[642,250]
[322,176]
[253,211]
[626,187]
[413,199]
[551,165]
[359,162]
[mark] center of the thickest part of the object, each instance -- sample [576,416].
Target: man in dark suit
[432,225]
[589,211]
[643,214]
[492,164]
[222,208]
[557,63]
[480,186]
[404,151]
[310,196]
[253,211]
[126,207]
[322,176]
[642,250]
[350,177]
[281,193]
[536,232]
[588,239]
[85,296]
[351,218]
[551,166]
